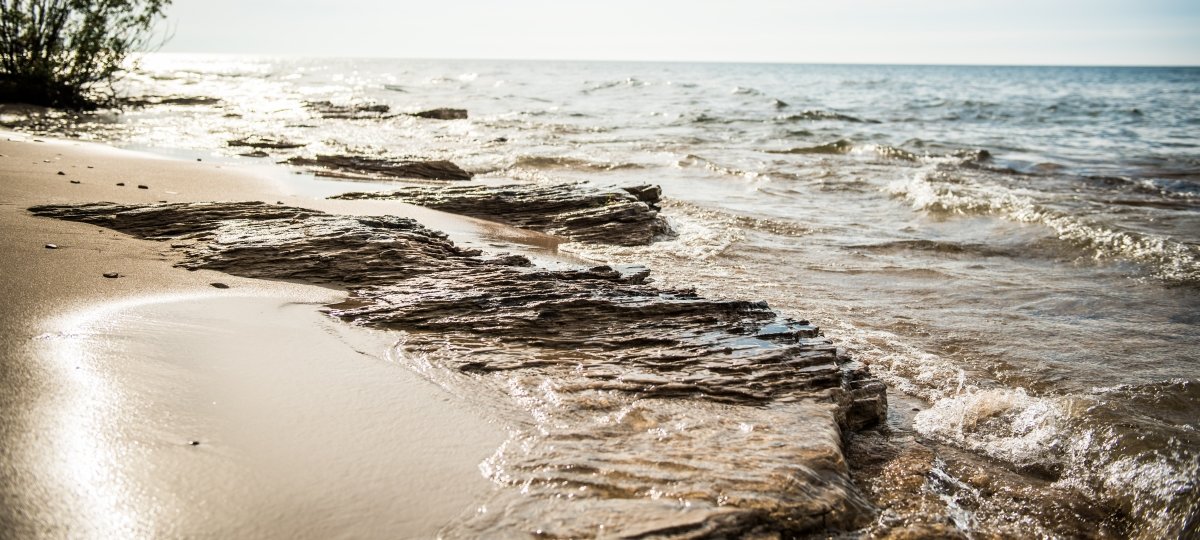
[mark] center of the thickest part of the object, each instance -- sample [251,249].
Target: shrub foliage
[67,53]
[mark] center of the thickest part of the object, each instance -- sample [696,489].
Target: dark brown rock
[112,275]
[616,216]
[145,101]
[384,167]
[143,186]
[219,285]
[442,114]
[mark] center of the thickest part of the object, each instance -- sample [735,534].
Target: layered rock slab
[636,411]
[370,167]
[576,211]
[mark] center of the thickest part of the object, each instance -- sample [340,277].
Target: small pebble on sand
[74,181]
[219,285]
[112,275]
[143,186]
[60,173]
[120,183]
[194,443]
[51,246]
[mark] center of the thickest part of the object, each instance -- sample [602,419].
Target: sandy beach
[158,405]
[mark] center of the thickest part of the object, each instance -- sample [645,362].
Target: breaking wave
[816,115]
[942,191]
[1142,468]
[567,162]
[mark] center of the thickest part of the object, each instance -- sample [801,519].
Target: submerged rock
[825,115]
[259,141]
[145,101]
[616,216]
[442,114]
[840,146]
[383,167]
[328,109]
[637,410]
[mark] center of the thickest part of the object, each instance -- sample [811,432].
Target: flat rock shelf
[636,411]
[626,216]
[362,167]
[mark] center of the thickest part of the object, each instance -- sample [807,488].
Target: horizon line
[660,61]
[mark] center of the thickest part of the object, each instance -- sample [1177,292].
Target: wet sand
[302,426]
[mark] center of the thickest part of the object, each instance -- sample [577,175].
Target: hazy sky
[1110,32]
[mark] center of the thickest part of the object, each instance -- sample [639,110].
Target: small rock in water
[143,186]
[120,183]
[112,275]
[60,173]
[198,159]
[442,114]
[74,181]
[51,246]
[916,409]
[219,285]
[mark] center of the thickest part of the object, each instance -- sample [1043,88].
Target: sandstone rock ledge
[637,412]
[368,167]
[616,216]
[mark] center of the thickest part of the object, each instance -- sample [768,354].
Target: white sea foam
[935,190]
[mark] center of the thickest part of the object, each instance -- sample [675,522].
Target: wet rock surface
[145,101]
[369,167]
[615,216]
[348,111]
[442,114]
[259,141]
[636,411]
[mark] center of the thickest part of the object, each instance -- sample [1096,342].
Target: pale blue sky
[1070,32]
